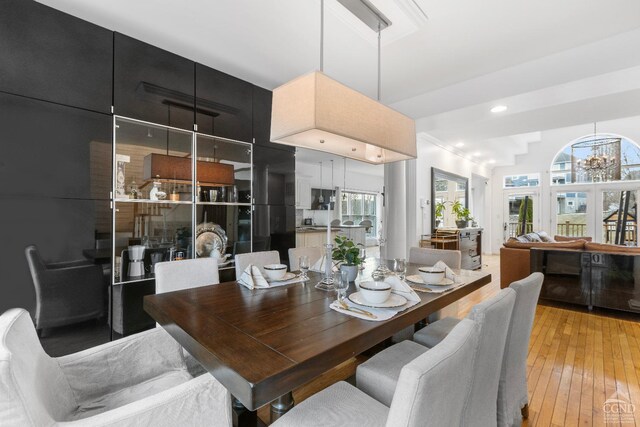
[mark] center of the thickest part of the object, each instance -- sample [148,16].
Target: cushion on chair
[433,333]
[130,394]
[339,405]
[378,376]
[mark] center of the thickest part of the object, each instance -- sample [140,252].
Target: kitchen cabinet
[314,238]
[224,105]
[50,150]
[262,115]
[303,194]
[152,84]
[50,55]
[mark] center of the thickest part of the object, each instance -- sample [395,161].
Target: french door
[521,212]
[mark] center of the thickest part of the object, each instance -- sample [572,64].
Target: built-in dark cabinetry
[262,116]
[152,84]
[223,105]
[50,150]
[49,55]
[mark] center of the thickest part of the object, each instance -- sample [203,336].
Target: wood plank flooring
[577,360]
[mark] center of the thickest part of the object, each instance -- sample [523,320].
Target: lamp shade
[316,112]
[178,169]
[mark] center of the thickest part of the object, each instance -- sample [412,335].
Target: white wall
[538,159]
[431,155]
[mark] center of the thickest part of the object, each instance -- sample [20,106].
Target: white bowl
[275,271]
[375,292]
[431,275]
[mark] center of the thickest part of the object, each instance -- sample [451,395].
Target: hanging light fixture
[316,112]
[601,164]
[321,198]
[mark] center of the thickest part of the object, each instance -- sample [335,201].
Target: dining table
[261,344]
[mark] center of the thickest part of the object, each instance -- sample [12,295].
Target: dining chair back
[259,259]
[314,254]
[427,256]
[367,225]
[186,274]
[493,317]
[335,223]
[512,392]
[347,223]
[434,388]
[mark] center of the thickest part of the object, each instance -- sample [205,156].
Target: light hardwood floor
[577,360]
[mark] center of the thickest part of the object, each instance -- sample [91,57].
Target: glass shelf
[167,202]
[223,204]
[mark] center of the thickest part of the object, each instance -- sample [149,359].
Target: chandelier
[596,158]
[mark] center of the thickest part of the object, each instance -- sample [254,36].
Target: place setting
[374,300]
[274,275]
[436,280]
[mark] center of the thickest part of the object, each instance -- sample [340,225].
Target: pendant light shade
[316,112]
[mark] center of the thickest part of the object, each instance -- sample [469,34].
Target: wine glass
[363,256]
[400,267]
[341,283]
[304,267]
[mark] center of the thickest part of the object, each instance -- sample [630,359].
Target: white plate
[287,276]
[417,279]
[393,301]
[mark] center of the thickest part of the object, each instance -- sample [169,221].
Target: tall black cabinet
[62,80]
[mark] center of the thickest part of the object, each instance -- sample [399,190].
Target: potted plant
[347,254]
[440,208]
[463,215]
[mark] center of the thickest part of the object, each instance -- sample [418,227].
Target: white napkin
[401,288]
[252,278]
[380,313]
[448,273]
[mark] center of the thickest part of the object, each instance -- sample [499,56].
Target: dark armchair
[66,292]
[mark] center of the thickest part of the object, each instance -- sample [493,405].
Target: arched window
[597,158]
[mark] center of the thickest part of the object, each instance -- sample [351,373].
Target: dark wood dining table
[261,344]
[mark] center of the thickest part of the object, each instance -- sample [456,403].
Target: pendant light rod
[322,35]
[379,56]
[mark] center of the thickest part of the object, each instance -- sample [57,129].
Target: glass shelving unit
[177,195]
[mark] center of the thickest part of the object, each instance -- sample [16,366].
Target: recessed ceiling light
[460,144]
[499,109]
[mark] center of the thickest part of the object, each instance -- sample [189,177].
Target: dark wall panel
[50,150]
[224,105]
[47,54]
[60,229]
[152,84]
[273,168]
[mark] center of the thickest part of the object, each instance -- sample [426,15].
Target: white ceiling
[553,63]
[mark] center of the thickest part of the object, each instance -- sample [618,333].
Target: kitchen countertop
[319,228]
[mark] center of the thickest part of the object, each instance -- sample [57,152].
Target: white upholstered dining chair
[513,397]
[138,380]
[379,375]
[428,256]
[314,254]
[431,391]
[259,259]
[186,274]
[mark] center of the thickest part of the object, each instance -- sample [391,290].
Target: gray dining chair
[513,398]
[66,292]
[186,274]
[335,223]
[259,259]
[428,256]
[432,390]
[379,375]
[134,381]
[314,254]
[347,223]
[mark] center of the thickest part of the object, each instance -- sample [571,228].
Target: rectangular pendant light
[316,112]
